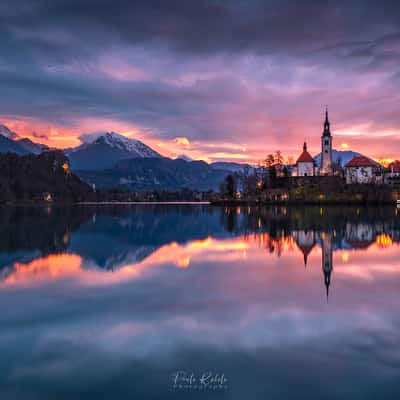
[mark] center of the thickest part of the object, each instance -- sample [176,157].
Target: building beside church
[326,148]
[392,173]
[305,164]
[362,169]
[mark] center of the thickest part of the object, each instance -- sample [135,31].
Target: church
[305,164]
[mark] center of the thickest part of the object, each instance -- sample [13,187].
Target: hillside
[155,174]
[39,177]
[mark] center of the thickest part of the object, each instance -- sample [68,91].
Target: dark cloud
[40,135]
[201,26]
[209,70]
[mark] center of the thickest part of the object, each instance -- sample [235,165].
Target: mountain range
[112,160]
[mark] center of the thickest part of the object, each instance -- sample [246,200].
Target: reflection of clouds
[52,267]
[243,316]
[59,266]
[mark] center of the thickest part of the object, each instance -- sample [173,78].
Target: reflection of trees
[46,229]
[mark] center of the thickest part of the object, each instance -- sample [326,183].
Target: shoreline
[214,203]
[99,203]
[301,203]
[143,202]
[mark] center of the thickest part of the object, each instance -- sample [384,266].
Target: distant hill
[231,166]
[8,133]
[156,174]
[184,157]
[107,150]
[30,177]
[344,156]
[11,142]
[32,147]
[10,146]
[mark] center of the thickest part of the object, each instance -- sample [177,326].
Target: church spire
[327,280]
[305,146]
[326,123]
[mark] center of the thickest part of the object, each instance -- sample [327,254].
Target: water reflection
[85,242]
[99,302]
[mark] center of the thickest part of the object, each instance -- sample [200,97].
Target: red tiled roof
[394,166]
[361,161]
[305,157]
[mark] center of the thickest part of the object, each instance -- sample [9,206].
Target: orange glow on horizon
[65,137]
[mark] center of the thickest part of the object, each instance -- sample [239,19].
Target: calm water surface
[155,301]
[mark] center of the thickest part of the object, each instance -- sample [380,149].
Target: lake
[196,301]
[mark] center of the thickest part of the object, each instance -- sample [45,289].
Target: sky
[212,79]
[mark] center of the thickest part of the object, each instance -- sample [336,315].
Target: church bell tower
[326,148]
[327,264]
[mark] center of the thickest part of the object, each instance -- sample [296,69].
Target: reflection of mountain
[113,238]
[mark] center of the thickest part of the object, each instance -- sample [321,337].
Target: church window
[326,151]
[326,142]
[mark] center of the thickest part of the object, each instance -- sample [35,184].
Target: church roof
[305,157]
[361,161]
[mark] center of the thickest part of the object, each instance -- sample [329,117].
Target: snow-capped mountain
[341,157]
[133,146]
[108,149]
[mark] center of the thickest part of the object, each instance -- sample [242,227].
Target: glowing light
[65,167]
[182,141]
[345,256]
[183,262]
[384,240]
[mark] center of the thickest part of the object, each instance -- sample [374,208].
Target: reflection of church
[327,259]
[306,240]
